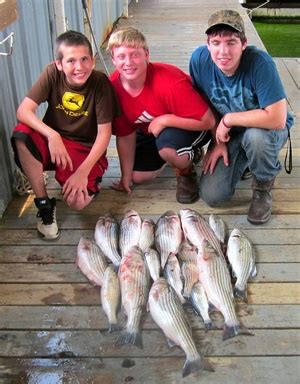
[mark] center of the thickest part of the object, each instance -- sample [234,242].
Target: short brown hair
[71,38]
[224,30]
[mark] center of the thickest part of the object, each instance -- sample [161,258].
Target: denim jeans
[255,148]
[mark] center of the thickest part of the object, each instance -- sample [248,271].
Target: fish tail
[197,364]
[240,293]
[235,330]
[134,338]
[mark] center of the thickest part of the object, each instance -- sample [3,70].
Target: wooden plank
[258,235]
[74,221]
[69,273]
[138,200]
[92,343]
[93,317]
[85,294]
[167,370]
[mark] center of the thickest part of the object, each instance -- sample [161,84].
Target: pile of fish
[182,258]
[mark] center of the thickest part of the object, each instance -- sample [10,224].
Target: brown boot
[261,204]
[187,186]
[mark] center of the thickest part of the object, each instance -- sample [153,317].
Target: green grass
[280,39]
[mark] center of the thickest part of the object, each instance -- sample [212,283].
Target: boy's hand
[222,133]
[75,185]
[156,126]
[122,185]
[212,156]
[58,152]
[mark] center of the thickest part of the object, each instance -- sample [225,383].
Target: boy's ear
[58,65]
[244,45]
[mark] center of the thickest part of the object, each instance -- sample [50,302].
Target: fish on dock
[196,229]
[107,237]
[241,257]
[153,263]
[110,296]
[134,282]
[91,261]
[168,235]
[130,231]
[168,313]
[146,240]
[215,278]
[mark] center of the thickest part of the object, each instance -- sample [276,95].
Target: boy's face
[77,64]
[131,62]
[226,52]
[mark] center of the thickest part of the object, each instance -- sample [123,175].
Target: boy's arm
[126,152]
[26,113]
[271,117]
[207,122]
[78,181]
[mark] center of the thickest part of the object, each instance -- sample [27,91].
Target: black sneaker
[47,226]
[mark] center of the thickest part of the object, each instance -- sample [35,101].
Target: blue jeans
[255,148]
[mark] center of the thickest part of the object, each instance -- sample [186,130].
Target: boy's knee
[255,137]
[213,195]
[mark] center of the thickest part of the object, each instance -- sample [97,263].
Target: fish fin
[170,343]
[134,338]
[195,365]
[253,271]
[239,329]
[113,327]
[240,293]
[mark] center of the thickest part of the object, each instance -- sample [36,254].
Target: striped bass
[153,263]
[91,261]
[218,226]
[168,313]
[106,236]
[196,229]
[241,256]
[215,278]
[190,275]
[172,274]
[200,304]
[110,296]
[168,235]
[146,240]
[134,282]
[130,231]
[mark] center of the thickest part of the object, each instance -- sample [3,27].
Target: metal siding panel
[74,15]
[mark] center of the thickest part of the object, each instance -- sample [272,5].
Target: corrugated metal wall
[34,33]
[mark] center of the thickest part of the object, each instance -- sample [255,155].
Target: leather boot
[261,204]
[187,186]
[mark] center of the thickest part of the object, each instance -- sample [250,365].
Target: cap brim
[228,25]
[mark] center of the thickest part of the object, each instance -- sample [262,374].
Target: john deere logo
[72,101]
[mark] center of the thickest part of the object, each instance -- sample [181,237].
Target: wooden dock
[52,327]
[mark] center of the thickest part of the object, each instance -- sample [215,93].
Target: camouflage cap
[226,17]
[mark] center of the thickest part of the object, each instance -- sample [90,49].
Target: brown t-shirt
[75,112]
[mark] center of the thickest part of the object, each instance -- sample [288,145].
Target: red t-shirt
[167,90]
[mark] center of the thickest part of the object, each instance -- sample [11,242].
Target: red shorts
[37,144]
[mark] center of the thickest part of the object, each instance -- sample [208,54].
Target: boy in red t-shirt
[74,134]
[164,119]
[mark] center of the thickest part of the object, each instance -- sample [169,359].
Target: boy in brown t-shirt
[74,134]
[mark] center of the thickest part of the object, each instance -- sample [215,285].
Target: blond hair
[129,37]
